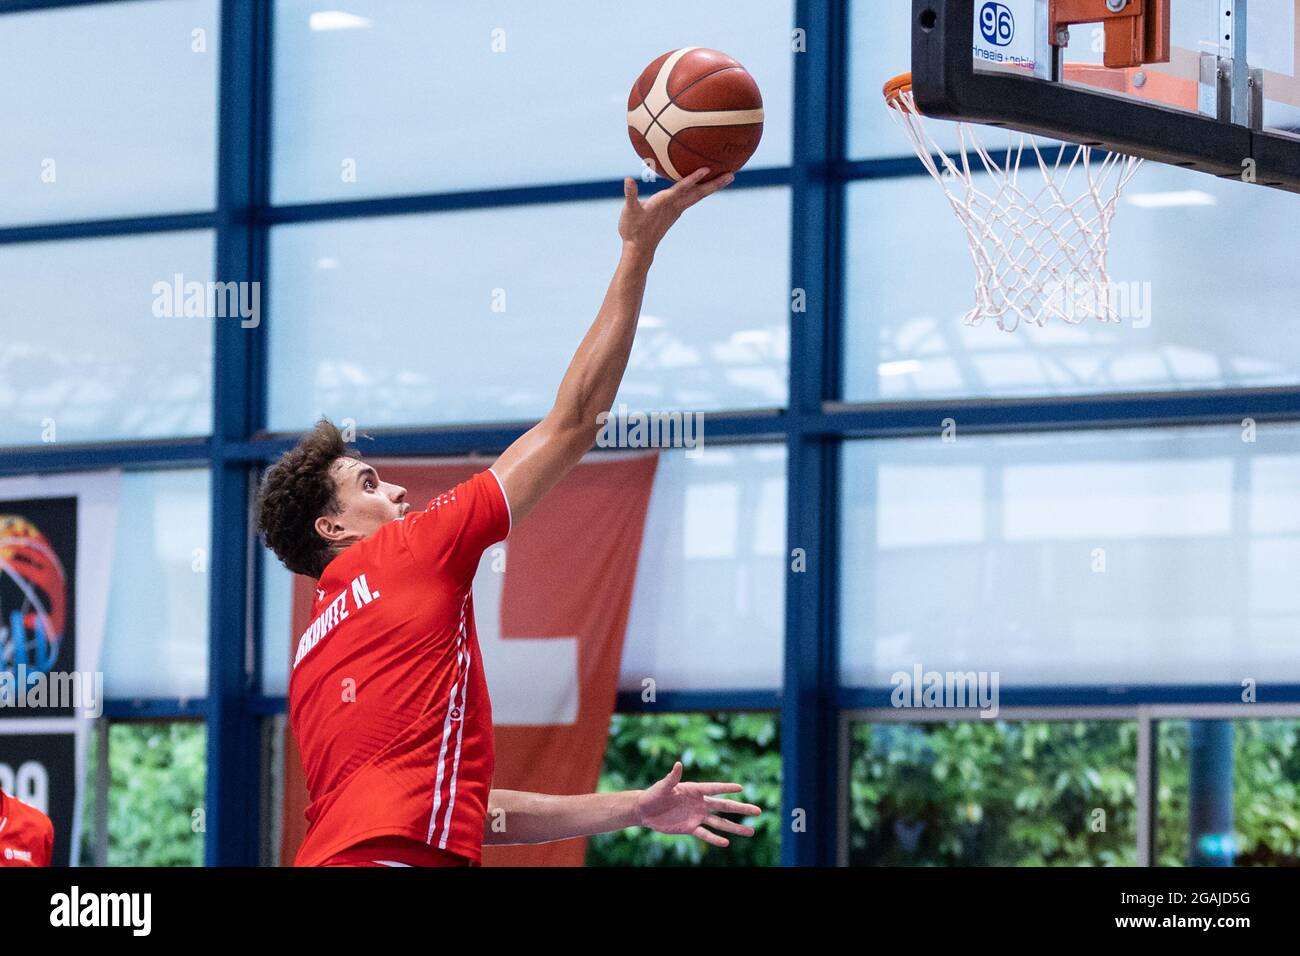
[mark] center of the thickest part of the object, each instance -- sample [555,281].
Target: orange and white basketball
[695,107]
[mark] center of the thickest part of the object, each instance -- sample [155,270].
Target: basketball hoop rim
[1160,87]
[895,88]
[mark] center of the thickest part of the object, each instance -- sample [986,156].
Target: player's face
[366,502]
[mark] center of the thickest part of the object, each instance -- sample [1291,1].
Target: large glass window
[1111,558]
[276,618]
[474,316]
[154,813]
[1265,779]
[880,47]
[993,793]
[708,610]
[94,345]
[156,641]
[381,98]
[86,115]
[1201,312]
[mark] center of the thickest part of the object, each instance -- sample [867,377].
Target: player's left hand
[671,806]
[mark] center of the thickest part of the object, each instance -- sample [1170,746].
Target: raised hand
[671,806]
[643,224]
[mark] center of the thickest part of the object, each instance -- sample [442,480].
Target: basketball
[695,107]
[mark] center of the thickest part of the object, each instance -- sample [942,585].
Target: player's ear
[328,530]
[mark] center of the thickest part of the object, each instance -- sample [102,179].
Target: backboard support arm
[1137,31]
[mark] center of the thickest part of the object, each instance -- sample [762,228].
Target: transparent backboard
[1108,83]
[1012,35]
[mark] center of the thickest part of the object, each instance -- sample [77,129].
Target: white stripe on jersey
[510,526]
[446,736]
[460,735]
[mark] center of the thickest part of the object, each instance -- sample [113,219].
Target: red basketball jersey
[26,834]
[388,700]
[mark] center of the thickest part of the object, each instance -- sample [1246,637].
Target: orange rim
[895,89]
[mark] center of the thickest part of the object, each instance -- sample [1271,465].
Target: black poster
[38,635]
[38,658]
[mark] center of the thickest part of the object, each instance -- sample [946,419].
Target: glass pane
[474,316]
[84,357]
[993,793]
[157,775]
[156,640]
[1264,779]
[384,98]
[1182,288]
[1113,558]
[735,747]
[277,615]
[880,47]
[1173,837]
[708,610]
[84,110]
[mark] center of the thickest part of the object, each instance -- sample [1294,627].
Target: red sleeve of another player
[451,534]
[48,844]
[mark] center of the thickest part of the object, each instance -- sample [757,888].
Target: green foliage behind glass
[157,776]
[1022,794]
[739,748]
[993,793]
[969,793]
[1266,811]
[1266,805]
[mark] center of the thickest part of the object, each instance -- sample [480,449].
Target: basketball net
[1039,240]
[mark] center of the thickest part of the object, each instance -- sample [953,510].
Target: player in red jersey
[388,700]
[26,834]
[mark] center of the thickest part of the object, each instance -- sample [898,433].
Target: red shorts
[395,851]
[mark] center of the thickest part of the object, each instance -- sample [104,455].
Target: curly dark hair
[297,490]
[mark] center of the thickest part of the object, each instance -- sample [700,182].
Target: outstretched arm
[670,806]
[544,454]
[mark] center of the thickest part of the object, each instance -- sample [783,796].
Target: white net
[1039,240]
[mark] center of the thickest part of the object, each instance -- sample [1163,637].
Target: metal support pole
[1209,794]
[102,780]
[1049,58]
[1234,68]
[1148,788]
[1230,90]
